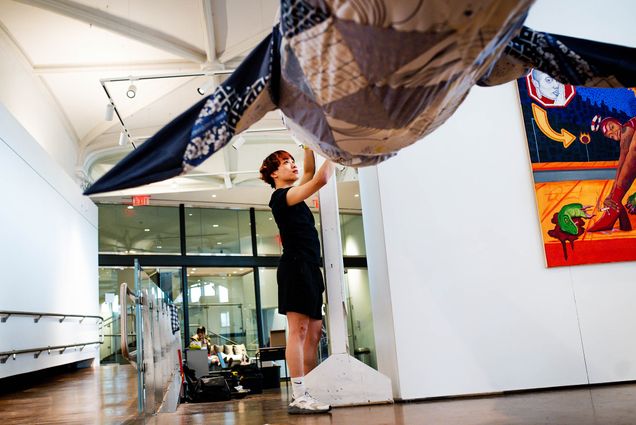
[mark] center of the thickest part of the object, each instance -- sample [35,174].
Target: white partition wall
[463,303]
[48,254]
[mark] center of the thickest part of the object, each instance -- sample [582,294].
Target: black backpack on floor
[251,378]
[211,388]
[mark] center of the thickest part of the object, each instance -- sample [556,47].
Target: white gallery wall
[459,288]
[48,254]
[28,99]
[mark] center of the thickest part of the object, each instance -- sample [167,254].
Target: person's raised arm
[309,166]
[299,193]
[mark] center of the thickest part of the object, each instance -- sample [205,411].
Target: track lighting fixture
[239,142]
[123,139]
[205,87]
[110,110]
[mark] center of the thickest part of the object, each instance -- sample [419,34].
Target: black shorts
[300,288]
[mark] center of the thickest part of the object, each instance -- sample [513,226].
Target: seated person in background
[201,339]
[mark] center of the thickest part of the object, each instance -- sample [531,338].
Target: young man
[613,209]
[300,283]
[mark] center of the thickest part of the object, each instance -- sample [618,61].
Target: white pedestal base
[343,380]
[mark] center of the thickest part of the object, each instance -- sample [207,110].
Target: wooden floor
[106,395]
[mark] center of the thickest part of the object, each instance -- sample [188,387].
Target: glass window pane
[215,231]
[267,236]
[223,300]
[124,229]
[360,317]
[352,234]
[110,278]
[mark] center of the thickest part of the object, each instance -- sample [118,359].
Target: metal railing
[156,357]
[38,315]
[5,355]
[124,294]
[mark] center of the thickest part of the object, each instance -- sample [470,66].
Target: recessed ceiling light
[219,243]
[241,269]
[214,196]
[357,195]
[190,214]
[215,225]
[159,246]
[194,269]
[146,230]
[130,207]
[271,218]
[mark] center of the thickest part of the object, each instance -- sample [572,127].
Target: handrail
[111,320]
[124,293]
[4,355]
[6,314]
[224,338]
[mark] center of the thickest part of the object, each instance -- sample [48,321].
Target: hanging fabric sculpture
[358,80]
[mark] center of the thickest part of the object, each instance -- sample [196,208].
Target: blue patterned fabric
[359,80]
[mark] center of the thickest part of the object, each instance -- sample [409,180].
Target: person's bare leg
[310,349]
[297,326]
[628,170]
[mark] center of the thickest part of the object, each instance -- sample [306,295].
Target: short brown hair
[271,164]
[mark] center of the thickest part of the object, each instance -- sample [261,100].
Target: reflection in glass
[216,231]
[110,278]
[267,236]
[360,316]
[352,235]
[223,300]
[124,229]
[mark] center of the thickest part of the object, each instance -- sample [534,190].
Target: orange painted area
[566,166]
[597,247]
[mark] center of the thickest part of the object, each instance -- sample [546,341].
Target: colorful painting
[582,147]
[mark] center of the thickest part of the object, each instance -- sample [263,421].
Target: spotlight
[239,142]
[132,91]
[110,110]
[205,87]
[122,139]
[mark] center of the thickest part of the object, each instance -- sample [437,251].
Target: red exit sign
[140,200]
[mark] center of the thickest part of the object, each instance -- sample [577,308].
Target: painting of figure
[582,148]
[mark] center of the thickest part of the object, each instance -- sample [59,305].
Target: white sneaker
[306,404]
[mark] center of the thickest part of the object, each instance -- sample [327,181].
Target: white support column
[334,268]
[341,380]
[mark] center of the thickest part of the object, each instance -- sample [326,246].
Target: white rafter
[243,47]
[125,27]
[210,38]
[91,67]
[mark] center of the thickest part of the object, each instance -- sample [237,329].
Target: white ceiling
[75,46]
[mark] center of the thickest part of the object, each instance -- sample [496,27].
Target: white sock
[298,387]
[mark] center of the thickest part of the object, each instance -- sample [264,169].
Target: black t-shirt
[297,228]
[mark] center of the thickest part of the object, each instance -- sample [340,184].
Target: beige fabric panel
[328,64]
[420,15]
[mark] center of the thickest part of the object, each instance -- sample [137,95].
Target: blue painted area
[576,117]
[573,175]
